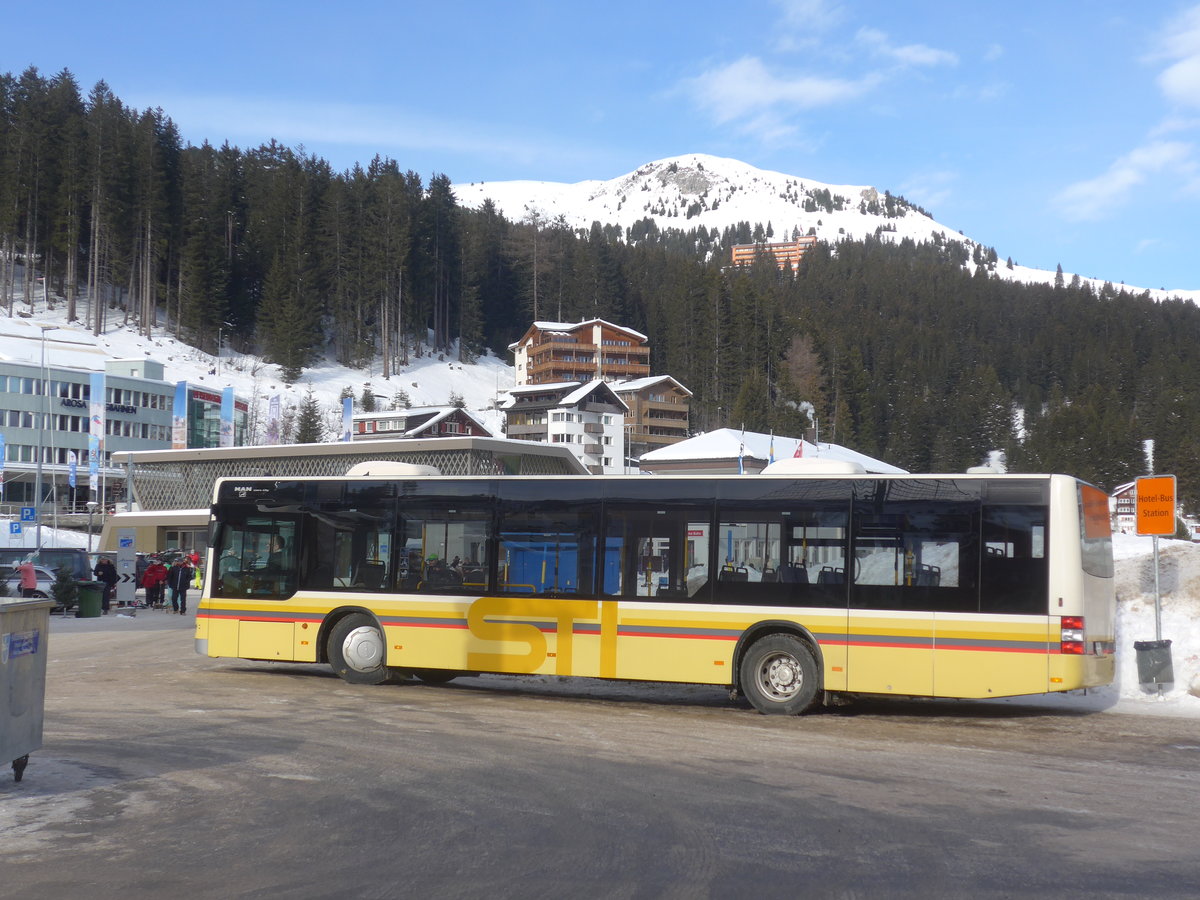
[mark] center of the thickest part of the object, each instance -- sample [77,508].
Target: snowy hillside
[427,380]
[701,191]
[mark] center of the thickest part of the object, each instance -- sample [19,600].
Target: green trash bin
[91,594]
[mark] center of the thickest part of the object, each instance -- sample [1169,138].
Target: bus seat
[792,574]
[830,575]
[929,576]
[370,575]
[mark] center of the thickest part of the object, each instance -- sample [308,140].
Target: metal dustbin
[24,629]
[91,596]
[1154,662]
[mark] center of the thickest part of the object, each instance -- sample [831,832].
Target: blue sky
[1062,132]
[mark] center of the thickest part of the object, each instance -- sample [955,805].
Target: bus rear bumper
[202,646]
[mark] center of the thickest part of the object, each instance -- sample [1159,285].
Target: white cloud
[803,24]
[746,90]
[1097,198]
[810,15]
[929,189]
[255,120]
[1180,81]
[908,55]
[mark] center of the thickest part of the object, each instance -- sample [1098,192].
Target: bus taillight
[1072,636]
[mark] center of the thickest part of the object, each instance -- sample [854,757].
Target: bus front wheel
[356,650]
[778,675]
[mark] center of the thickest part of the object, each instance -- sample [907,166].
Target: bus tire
[435,676]
[356,650]
[778,675]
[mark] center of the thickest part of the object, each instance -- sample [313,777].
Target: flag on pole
[771,456]
[742,452]
[273,420]
[96,410]
[799,449]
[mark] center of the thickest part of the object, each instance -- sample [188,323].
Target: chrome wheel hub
[363,649]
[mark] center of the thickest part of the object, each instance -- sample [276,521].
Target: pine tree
[309,429]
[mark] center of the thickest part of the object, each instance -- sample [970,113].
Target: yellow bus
[787,589]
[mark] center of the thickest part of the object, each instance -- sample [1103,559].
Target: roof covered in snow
[730,443]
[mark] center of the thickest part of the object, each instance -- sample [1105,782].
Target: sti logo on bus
[483,613]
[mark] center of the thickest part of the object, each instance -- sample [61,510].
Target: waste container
[91,595]
[24,628]
[1154,662]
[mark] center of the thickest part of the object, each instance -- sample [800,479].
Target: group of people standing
[158,579]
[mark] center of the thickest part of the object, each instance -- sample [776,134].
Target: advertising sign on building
[95,429]
[179,418]
[227,417]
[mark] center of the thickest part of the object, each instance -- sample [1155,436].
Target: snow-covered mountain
[712,192]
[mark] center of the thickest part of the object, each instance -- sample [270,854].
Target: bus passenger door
[889,640]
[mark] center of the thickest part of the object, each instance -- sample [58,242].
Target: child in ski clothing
[154,580]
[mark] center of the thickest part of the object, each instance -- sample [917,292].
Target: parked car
[75,559]
[12,580]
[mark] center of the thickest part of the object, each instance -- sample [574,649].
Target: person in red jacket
[154,580]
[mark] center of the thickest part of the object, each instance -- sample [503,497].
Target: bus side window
[1015,575]
[547,552]
[657,552]
[442,550]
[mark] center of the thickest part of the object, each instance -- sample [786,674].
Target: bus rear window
[1095,531]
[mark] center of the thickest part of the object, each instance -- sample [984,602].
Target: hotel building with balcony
[557,352]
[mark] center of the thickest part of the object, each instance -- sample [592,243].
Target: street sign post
[1156,505]
[1155,513]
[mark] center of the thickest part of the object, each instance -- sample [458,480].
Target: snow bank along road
[162,771]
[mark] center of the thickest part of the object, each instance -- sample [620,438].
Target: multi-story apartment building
[556,352]
[787,253]
[588,418]
[45,410]
[658,413]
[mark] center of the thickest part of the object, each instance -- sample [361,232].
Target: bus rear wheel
[356,650]
[778,675]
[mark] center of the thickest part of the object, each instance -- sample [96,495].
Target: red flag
[799,449]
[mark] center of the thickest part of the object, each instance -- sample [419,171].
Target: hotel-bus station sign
[1156,505]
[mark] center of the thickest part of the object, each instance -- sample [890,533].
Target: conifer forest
[900,351]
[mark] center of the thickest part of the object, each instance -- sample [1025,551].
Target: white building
[588,418]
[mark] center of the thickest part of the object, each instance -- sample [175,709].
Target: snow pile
[1179,587]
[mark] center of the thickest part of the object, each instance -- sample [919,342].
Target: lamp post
[91,505]
[45,392]
[221,329]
